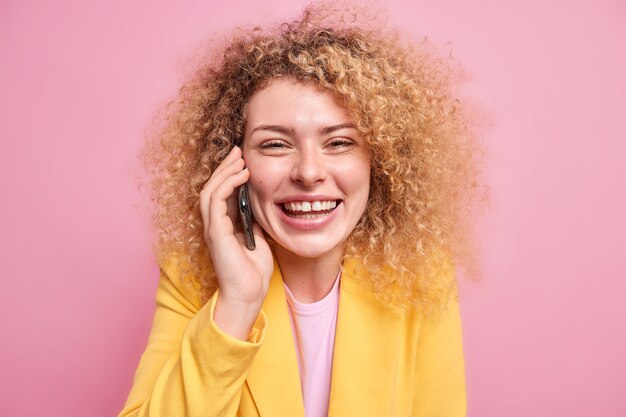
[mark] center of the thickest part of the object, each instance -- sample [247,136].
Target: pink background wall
[545,330]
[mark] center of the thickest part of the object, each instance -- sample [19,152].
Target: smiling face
[309,168]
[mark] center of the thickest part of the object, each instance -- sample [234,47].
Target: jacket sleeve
[440,370]
[190,367]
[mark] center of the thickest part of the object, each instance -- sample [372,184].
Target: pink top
[313,328]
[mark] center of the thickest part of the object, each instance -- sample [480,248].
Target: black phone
[246,216]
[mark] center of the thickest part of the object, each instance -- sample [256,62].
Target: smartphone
[246,216]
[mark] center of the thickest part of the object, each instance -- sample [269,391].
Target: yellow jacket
[386,362]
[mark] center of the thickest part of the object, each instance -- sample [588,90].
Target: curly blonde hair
[400,94]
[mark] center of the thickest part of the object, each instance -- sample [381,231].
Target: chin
[308,250]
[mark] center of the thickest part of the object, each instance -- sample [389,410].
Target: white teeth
[307,206]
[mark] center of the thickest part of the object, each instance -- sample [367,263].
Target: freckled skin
[299,158]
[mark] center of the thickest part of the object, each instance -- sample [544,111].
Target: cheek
[265,180]
[357,164]
[258,175]
[268,173]
[260,180]
[258,200]
[358,176]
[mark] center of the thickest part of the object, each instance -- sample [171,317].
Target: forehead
[284,101]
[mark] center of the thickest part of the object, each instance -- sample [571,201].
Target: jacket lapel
[364,355]
[274,379]
[366,344]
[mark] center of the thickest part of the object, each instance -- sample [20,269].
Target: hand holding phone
[246,216]
[242,274]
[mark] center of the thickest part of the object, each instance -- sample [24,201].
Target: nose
[309,168]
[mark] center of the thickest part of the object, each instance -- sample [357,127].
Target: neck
[309,279]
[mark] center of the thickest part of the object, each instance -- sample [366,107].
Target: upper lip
[302,197]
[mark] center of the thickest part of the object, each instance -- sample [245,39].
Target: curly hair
[401,96]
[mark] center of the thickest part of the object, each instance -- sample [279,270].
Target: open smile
[308,214]
[309,209]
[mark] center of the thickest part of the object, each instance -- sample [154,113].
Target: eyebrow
[275,128]
[290,131]
[331,129]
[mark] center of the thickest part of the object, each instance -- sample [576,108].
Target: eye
[340,143]
[273,144]
[274,147]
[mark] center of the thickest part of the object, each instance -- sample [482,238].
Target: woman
[359,166]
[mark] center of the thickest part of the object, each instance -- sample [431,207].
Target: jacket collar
[274,379]
[365,351]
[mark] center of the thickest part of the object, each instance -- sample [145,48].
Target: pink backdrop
[545,330]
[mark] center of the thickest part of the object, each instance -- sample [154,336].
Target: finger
[232,168]
[215,180]
[227,187]
[228,168]
[232,205]
[233,155]
[218,207]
